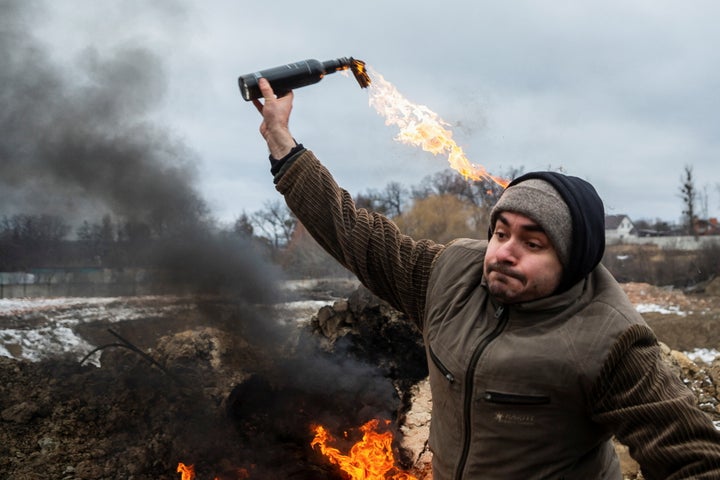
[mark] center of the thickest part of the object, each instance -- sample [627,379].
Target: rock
[416,427]
[328,321]
[20,413]
[628,466]
[687,366]
[713,287]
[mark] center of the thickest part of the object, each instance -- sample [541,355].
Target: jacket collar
[546,306]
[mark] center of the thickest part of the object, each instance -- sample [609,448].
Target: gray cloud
[621,93]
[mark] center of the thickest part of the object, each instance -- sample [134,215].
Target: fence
[684,242]
[77,282]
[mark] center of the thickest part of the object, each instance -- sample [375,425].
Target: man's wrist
[280,143]
[277,163]
[278,152]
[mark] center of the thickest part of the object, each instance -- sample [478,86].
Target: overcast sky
[623,93]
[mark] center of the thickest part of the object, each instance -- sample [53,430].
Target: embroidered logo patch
[515,418]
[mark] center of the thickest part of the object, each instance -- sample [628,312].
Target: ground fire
[371,458]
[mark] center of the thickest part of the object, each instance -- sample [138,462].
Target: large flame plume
[371,458]
[420,126]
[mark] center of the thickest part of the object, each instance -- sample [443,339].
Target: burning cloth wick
[420,126]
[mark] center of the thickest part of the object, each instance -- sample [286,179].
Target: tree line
[441,207]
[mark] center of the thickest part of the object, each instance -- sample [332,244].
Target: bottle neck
[332,66]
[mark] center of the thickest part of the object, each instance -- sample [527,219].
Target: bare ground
[131,420]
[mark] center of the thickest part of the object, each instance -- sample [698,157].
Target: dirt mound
[128,419]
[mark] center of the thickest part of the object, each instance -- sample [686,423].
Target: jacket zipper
[443,369]
[502,317]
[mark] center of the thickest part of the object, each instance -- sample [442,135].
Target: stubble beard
[500,285]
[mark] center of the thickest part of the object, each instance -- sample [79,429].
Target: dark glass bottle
[293,75]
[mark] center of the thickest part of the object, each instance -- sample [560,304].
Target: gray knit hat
[539,201]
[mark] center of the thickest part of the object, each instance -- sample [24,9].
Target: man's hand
[276,116]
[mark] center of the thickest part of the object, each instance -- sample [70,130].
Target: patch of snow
[37,328]
[301,311]
[43,342]
[705,355]
[21,305]
[653,308]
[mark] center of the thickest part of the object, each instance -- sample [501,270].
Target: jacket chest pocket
[514,408]
[505,398]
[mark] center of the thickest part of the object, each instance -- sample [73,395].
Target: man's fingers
[266,89]
[258,105]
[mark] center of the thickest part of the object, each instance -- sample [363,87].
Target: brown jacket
[528,391]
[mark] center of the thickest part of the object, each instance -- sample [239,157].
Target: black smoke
[79,137]
[79,140]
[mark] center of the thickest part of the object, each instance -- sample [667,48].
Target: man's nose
[507,252]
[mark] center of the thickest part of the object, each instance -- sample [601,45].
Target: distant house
[619,227]
[706,227]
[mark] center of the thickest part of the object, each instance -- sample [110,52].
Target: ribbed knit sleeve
[393,266]
[654,413]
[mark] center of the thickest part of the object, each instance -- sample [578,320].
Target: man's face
[520,264]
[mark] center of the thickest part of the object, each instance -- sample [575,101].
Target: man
[536,356]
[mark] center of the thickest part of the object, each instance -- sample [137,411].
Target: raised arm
[393,266]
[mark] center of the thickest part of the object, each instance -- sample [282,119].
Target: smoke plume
[79,142]
[78,137]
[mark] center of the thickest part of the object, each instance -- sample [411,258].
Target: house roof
[613,221]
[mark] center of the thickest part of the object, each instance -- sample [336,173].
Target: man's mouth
[506,271]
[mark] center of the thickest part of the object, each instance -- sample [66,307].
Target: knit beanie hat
[539,201]
[571,213]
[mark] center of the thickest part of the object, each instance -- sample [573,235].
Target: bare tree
[481,193]
[276,221]
[394,198]
[445,182]
[688,195]
[243,226]
[704,202]
[31,240]
[390,201]
[98,240]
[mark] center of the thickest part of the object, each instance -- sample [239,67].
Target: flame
[420,126]
[369,459]
[187,472]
